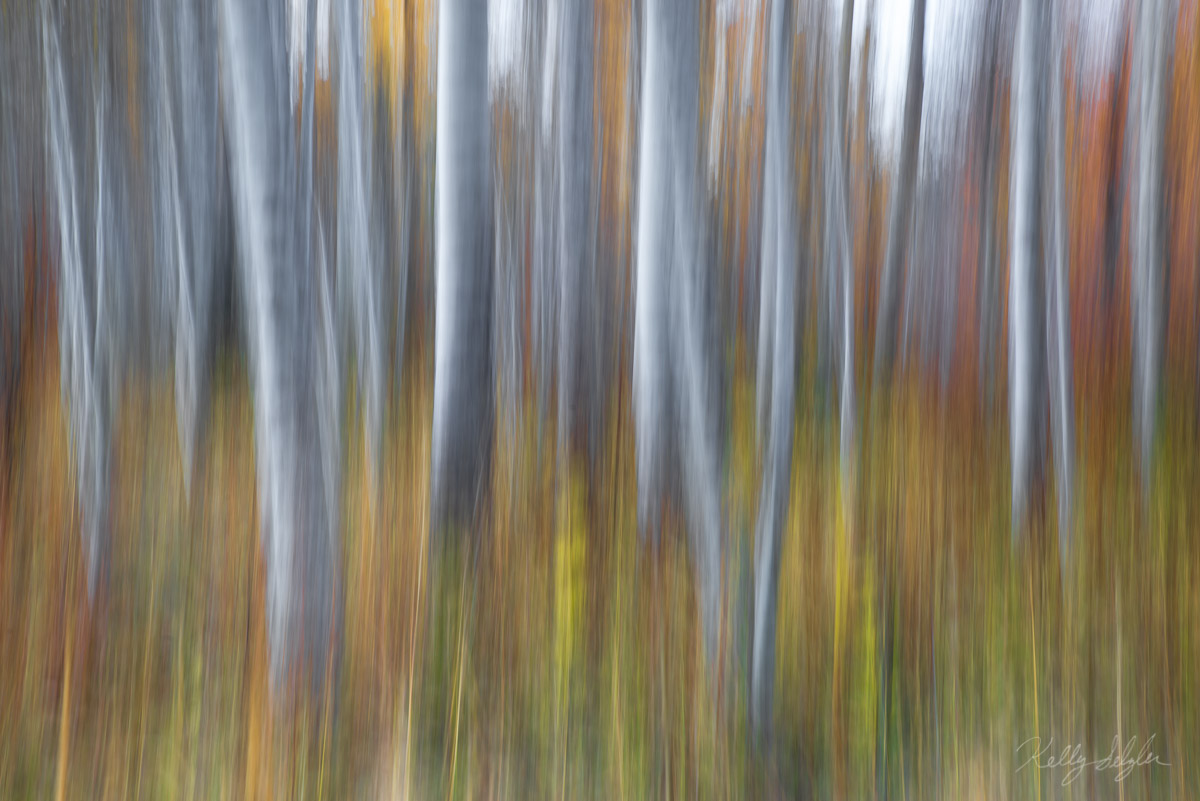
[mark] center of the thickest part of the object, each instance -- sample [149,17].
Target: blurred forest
[599,398]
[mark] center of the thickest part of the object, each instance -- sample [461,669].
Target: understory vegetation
[551,653]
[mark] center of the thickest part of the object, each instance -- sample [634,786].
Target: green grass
[553,654]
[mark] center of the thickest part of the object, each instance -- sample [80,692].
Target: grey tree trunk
[651,383]
[11,225]
[88,158]
[844,49]
[202,171]
[390,232]
[542,298]
[895,256]
[407,155]
[780,257]
[1151,84]
[360,269]
[901,203]
[462,384]
[281,293]
[73,146]
[577,285]
[767,292]
[839,216]
[1024,323]
[987,290]
[674,389]
[1058,312]
[11,222]
[1117,176]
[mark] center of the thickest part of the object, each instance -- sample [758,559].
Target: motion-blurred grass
[555,655]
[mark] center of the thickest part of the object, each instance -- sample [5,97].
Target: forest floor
[563,657]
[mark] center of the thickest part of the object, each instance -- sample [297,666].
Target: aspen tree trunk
[462,384]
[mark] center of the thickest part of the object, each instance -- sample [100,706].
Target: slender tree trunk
[697,395]
[202,170]
[654,254]
[674,368]
[409,204]
[1115,190]
[901,203]
[462,384]
[841,216]
[767,299]
[847,33]
[780,255]
[359,266]
[75,116]
[988,290]
[899,225]
[1058,311]
[14,141]
[575,236]
[1024,324]
[1149,223]
[388,234]
[269,188]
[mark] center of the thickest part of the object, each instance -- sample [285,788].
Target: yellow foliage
[570,578]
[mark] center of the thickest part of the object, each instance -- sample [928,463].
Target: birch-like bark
[839,220]
[987,289]
[901,203]
[462,384]
[360,268]
[780,254]
[71,134]
[1151,83]
[1058,312]
[202,171]
[1024,322]
[280,293]
[575,238]
[675,398]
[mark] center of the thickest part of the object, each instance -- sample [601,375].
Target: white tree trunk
[577,299]
[280,292]
[1058,312]
[651,383]
[779,254]
[987,290]
[202,171]
[72,131]
[901,202]
[462,385]
[359,270]
[839,219]
[675,397]
[1024,321]
[1150,83]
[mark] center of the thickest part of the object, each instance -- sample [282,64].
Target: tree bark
[462,385]
[986,291]
[202,169]
[298,527]
[360,268]
[901,203]
[1024,324]
[1149,223]
[575,234]
[1058,311]
[675,394]
[780,255]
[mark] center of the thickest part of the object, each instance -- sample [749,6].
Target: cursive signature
[1121,760]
